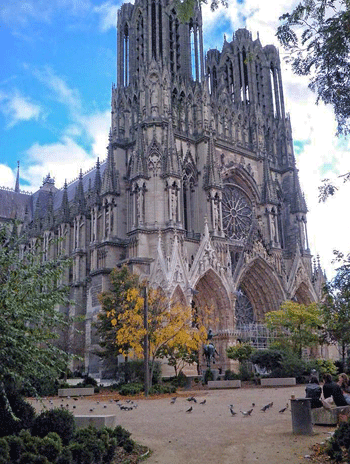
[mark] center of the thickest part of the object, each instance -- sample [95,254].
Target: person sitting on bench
[331,388]
[313,391]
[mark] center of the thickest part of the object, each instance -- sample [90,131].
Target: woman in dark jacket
[331,388]
[313,391]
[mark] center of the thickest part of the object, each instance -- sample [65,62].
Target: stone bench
[276,382]
[224,384]
[83,391]
[323,416]
[99,422]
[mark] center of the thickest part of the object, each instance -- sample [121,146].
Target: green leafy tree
[298,324]
[317,36]
[29,319]
[241,352]
[336,309]
[112,305]
[178,356]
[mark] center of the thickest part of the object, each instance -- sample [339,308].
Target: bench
[83,421]
[278,382]
[83,391]
[224,384]
[323,416]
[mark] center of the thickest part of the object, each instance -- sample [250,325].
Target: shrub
[208,376]
[323,366]
[339,442]
[230,375]
[41,386]
[269,359]
[131,389]
[50,448]
[30,458]
[90,438]
[16,447]
[65,457]
[134,372]
[160,388]
[21,409]
[81,455]
[56,420]
[4,449]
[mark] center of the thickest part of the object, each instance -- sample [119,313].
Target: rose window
[236,213]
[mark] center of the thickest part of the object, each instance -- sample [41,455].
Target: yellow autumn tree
[170,325]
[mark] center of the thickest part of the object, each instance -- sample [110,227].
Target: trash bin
[301,416]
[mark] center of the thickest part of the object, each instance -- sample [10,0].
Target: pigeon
[270,404]
[247,413]
[233,413]
[203,402]
[253,404]
[189,409]
[173,400]
[75,399]
[105,406]
[281,411]
[74,407]
[192,398]
[265,408]
[92,409]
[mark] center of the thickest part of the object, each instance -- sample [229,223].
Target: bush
[16,447]
[65,457]
[323,366]
[20,408]
[30,458]
[4,449]
[56,420]
[230,375]
[41,386]
[90,438]
[159,389]
[50,448]
[339,443]
[270,359]
[80,455]
[133,372]
[130,389]
[208,376]
[245,371]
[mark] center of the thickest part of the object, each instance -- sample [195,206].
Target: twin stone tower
[199,192]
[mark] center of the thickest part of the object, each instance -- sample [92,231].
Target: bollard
[301,416]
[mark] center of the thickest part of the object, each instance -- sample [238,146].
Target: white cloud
[7,177]
[17,108]
[108,15]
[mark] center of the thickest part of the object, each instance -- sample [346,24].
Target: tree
[29,319]
[241,352]
[113,304]
[169,325]
[317,36]
[178,356]
[299,325]
[336,309]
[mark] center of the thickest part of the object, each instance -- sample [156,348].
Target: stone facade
[199,192]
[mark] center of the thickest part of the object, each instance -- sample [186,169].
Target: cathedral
[199,192]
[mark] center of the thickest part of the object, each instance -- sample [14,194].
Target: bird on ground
[189,409]
[117,401]
[74,407]
[75,399]
[253,404]
[247,413]
[270,404]
[265,408]
[92,409]
[233,413]
[203,402]
[105,406]
[281,411]
[173,400]
[192,398]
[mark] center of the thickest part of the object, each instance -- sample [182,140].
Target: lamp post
[145,342]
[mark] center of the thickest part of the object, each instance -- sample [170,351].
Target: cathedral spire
[79,195]
[298,204]
[65,204]
[97,182]
[269,193]
[138,164]
[17,179]
[172,162]
[110,181]
[213,179]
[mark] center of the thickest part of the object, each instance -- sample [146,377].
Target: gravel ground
[209,433]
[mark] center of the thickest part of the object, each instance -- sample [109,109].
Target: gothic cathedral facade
[199,192]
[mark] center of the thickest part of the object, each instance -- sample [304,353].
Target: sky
[57,66]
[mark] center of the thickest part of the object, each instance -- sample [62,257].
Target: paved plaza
[209,434]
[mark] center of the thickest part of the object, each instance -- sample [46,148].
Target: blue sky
[57,65]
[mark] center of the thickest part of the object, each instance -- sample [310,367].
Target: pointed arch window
[188,188]
[139,42]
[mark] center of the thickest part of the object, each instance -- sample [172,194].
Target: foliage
[134,371]
[209,376]
[113,305]
[178,356]
[56,420]
[269,359]
[317,36]
[281,363]
[86,446]
[130,389]
[21,414]
[159,389]
[339,444]
[241,352]
[230,375]
[169,323]
[185,7]
[323,366]
[336,310]
[299,324]
[29,320]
